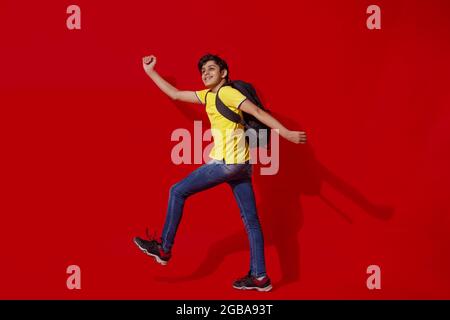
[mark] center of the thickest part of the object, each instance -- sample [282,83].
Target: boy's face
[211,74]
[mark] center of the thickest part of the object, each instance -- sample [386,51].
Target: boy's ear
[224,73]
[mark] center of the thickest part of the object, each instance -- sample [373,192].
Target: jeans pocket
[229,167]
[240,168]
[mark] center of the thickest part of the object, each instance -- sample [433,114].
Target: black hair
[218,60]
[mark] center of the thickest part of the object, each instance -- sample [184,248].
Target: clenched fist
[148,62]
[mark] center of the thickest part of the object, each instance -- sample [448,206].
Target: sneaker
[154,249]
[249,282]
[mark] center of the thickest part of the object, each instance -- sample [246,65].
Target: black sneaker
[249,282]
[154,249]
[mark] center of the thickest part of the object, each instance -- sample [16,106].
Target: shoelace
[247,277]
[151,238]
[155,240]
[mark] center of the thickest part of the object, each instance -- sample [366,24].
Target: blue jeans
[215,172]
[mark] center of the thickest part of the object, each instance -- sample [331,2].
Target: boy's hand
[296,136]
[148,63]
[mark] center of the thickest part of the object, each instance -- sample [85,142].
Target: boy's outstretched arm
[149,63]
[271,122]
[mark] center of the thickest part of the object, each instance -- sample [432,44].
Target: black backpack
[258,134]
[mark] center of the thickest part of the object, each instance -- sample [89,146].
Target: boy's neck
[217,87]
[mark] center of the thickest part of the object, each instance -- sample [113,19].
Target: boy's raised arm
[149,63]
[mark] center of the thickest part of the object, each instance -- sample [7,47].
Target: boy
[229,163]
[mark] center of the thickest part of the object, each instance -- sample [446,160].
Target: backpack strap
[225,111]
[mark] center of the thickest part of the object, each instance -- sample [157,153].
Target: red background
[85,148]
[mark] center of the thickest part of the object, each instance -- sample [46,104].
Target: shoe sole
[265,289]
[158,259]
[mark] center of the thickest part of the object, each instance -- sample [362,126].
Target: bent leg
[205,177]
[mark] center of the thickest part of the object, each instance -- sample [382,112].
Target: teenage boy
[229,163]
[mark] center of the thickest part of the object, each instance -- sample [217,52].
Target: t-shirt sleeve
[201,95]
[231,97]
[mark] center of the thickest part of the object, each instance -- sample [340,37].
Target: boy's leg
[243,192]
[205,177]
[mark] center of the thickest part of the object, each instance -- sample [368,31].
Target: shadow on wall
[279,207]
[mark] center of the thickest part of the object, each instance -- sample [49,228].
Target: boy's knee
[175,189]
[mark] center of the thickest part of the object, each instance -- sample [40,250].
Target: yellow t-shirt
[228,136]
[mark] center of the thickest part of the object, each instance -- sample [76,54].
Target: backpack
[257,133]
